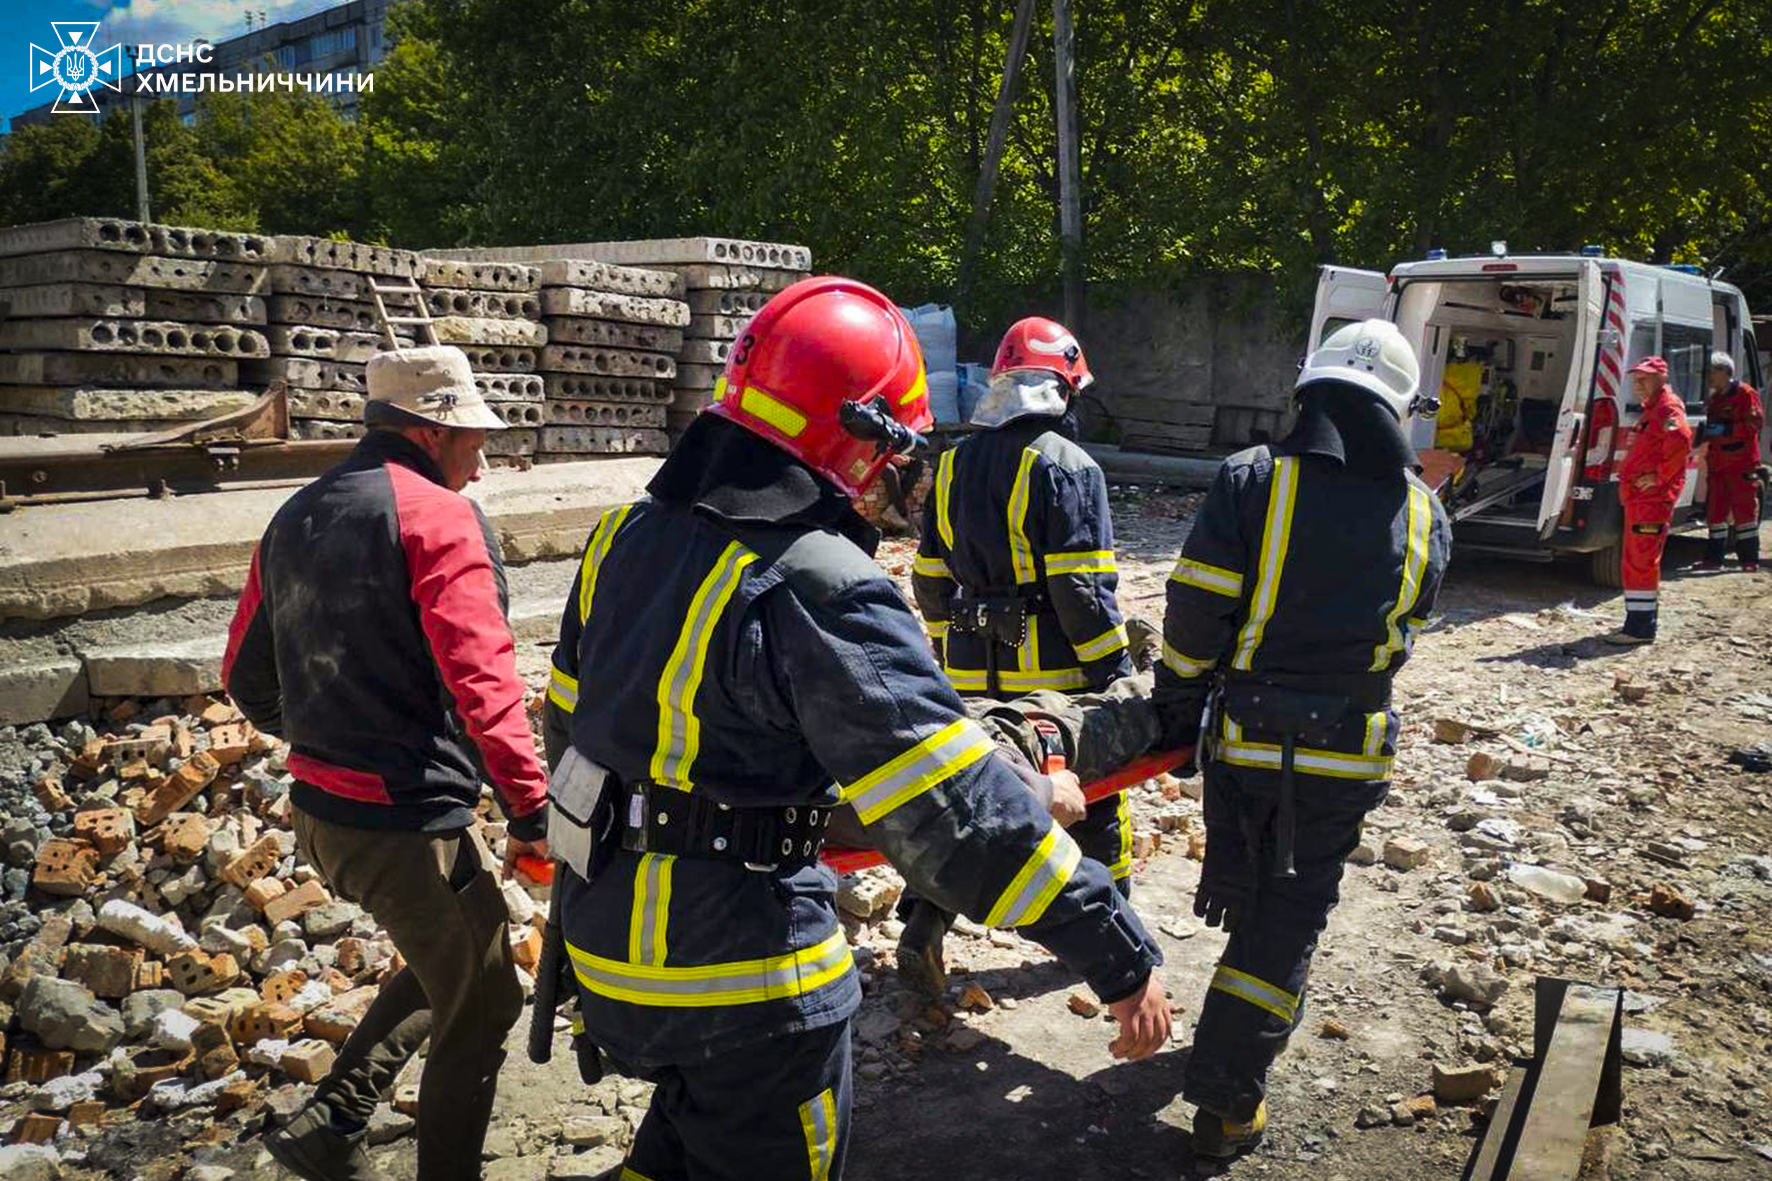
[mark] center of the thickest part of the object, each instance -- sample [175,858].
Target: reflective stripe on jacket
[1023,509]
[776,666]
[1298,569]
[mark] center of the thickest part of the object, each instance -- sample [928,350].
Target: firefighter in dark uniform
[1015,573]
[1310,569]
[730,652]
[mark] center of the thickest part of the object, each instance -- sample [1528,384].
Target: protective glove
[1216,910]
[1229,873]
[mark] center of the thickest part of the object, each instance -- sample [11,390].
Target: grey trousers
[438,899]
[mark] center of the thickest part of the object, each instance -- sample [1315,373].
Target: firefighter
[1311,567]
[1015,576]
[1733,419]
[737,653]
[1649,482]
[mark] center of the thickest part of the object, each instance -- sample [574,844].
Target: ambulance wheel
[1608,566]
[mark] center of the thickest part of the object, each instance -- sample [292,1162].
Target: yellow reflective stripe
[1257,992]
[1122,866]
[1021,553]
[628,1172]
[1093,561]
[772,410]
[918,389]
[938,757]
[608,525]
[1207,577]
[975,680]
[944,486]
[818,1120]
[1417,622]
[1106,644]
[1183,666]
[563,690]
[1038,883]
[679,730]
[1233,729]
[1276,537]
[1027,657]
[1376,725]
[931,567]
[1414,564]
[652,909]
[706,985]
[938,628]
[1307,760]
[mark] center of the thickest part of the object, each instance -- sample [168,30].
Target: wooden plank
[1502,1136]
[1568,1083]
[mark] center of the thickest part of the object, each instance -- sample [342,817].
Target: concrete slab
[307,373]
[171,669]
[603,440]
[478,276]
[479,330]
[652,252]
[43,427]
[324,344]
[323,311]
[577,301]
[510,387]
[512,442]
[134,270]
[69,559]
[492,305]
[342,256]
[716,327]
[333,405]
[575,358]
[73,299]
[704,352]
[650,338]
[603,276]
[691,400]
[739,277]
[501,358]
[42,690]
[520,414]
[163,337]
[204,307]
[317,429]
[632,414]
[135,237]
[118,371]
[698,377]
[585,387]
[336,284]
[714,301]
[109,406]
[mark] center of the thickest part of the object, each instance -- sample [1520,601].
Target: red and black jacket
[372,636]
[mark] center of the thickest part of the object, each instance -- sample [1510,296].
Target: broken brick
[65,868]
[249,865]
[307,1061]
[50,795]
[220,1061]
[150,974]
[1669,903]
[192,776]
[184,836]
[107,972]
[279,988]
[105,829]
[86,1115]
[36,1129]
[231,743]
[151,745]
[34,1064]
[216,713]
[352,952]
[197,973]
[337,1021]
[526,950]
[1406,853]
[255,1023]
[298,901]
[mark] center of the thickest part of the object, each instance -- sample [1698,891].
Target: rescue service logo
[1366,348]
[75,67]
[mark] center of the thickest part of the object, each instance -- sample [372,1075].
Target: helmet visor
[1018,393]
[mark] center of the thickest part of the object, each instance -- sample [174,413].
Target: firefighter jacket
[1459,390]
[775,666]
[1659,448]
[1022,511]
[1733,421]
[1304,573]
[372,636]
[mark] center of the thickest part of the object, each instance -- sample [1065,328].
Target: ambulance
[1528,355]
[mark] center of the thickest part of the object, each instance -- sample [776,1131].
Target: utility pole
[1070,166]
[986,188]
[141,156]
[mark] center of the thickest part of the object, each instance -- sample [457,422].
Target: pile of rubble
[165,948]
[112,326]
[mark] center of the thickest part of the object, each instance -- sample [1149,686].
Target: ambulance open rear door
[1559,475]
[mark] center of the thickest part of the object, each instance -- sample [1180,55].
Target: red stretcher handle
[1149,766]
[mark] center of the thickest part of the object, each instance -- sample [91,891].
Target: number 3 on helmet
[818,344]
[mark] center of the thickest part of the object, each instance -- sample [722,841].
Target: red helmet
[821,343]
[1039,343]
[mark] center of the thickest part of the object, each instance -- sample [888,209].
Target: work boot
[1222,1139]
[1145,643]
[919,950]
[1626,639]
[313,1148]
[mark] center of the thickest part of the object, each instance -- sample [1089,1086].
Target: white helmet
[1372,355]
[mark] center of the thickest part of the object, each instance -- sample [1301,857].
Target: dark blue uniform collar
[1350,428]
[382,446]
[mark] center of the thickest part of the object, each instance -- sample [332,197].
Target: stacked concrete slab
[492,311]
[114,326]
[323,327]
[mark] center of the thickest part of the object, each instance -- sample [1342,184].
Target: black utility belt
[682,824]
[1000,615]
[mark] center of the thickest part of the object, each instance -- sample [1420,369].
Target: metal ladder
[423,317]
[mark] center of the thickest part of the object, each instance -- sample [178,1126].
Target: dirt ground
[1622,753]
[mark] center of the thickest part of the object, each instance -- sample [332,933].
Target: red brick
[34,1064]
[197,973]
[526,950]
[50,795]
[192,776]
[249,865]
[65,868]
[105,829]
[255,1023]
[307,1062]
[222,1060]
[91,756]
[151,744]
[36,1129]
[133,770]
[231,743]
[184,836]
[279,988]
[107,972]
[303,898]
[125,709]
[336,1021]
[86,1115]
[353,953]
[150,974]
[184,744]
[217,713]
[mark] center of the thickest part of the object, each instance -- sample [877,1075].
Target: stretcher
[1147,767]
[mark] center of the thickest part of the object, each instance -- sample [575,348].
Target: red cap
[1653,365]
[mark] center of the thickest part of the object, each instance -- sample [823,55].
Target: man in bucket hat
[372,636]
[1649,483]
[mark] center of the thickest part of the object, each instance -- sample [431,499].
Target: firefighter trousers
[1256,997]
[1645,537]
[1732,510]
[774,1111]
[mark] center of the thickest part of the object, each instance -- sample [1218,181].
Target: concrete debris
[1474,983]
[1463,1084]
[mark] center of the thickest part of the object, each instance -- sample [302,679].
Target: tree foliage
[1217,135]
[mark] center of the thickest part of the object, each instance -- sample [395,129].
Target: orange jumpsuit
[1733,421]
[1659,449]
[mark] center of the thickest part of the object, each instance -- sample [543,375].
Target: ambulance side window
[1687,352]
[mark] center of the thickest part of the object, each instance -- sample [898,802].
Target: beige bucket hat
[434,385]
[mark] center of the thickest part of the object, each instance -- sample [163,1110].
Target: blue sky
[171,22]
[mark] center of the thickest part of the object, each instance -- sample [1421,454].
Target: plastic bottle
[1548,883]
